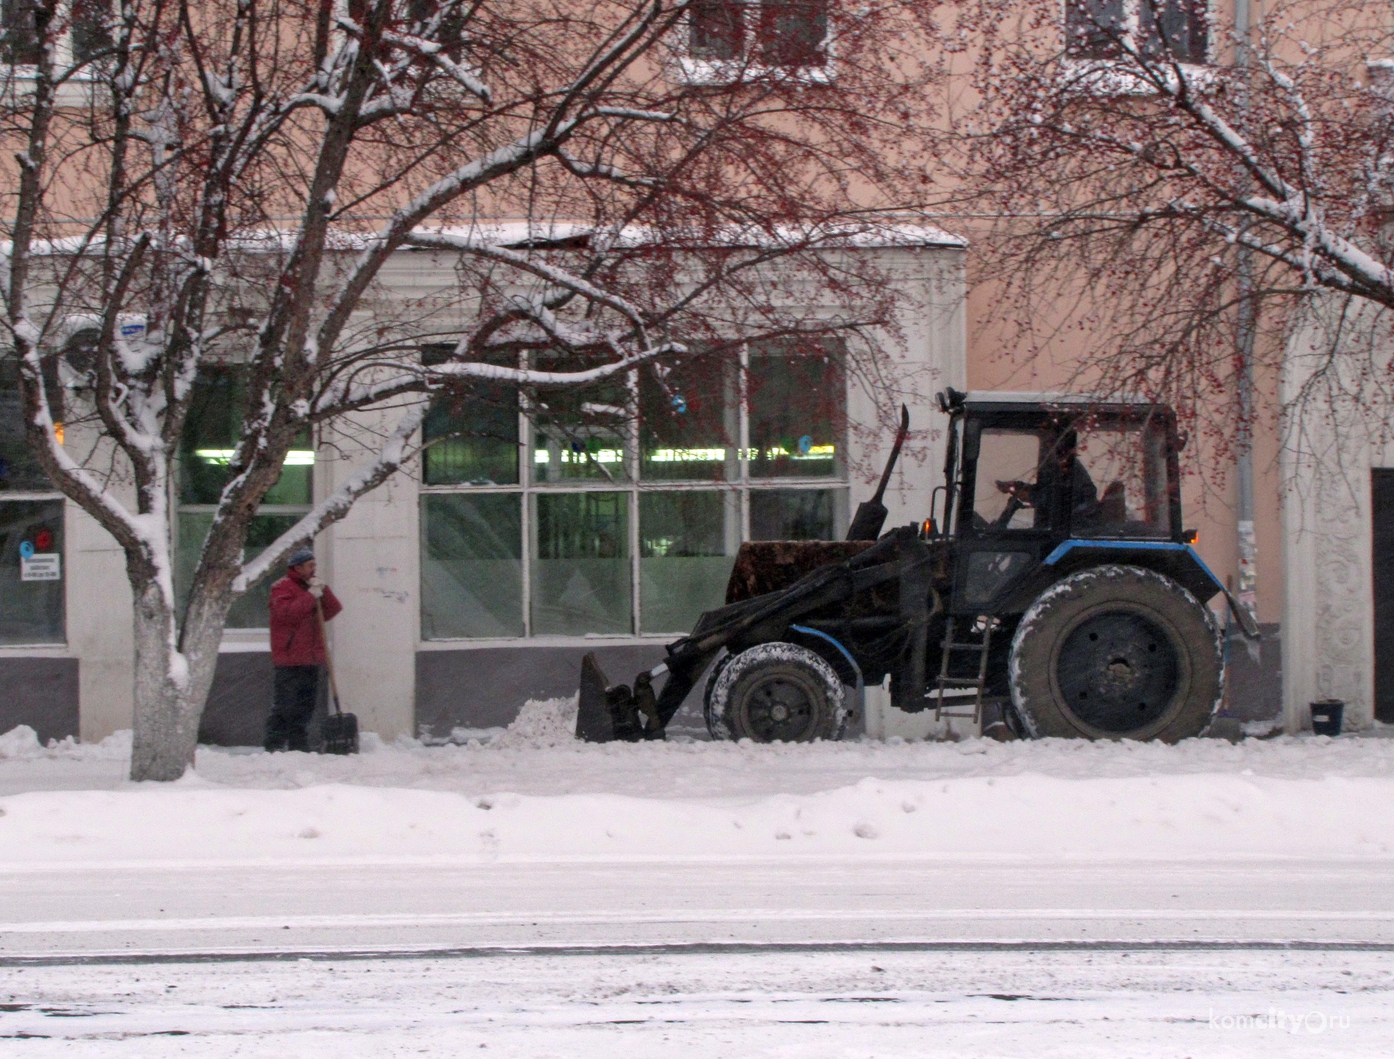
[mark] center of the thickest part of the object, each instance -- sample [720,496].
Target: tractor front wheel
[776,692]
[1116,652]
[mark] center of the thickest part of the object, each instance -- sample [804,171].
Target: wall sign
[41,566]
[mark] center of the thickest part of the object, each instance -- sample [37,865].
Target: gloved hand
[316,587]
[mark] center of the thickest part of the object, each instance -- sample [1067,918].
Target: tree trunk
[171,686]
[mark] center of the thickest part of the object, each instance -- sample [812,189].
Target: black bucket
[1326,716]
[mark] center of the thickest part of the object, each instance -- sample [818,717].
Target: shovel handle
[328,660]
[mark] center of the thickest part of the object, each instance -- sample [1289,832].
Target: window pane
[31,612]
[90,35]
[21,45]
[686,426]
[1009,466]
[716,29]
[471,566]
[580,577]
[212,429]
[579,430]
[792,515]
[18,468]
[684,557]
[480,437]
[250,611]
[1181,34]
[792,32]
[450,33]
[1093,28]
[1119,487]
[798,404]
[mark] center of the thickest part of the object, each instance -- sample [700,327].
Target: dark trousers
[293,703]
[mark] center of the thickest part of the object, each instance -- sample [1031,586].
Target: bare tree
[1171,188]
[235,176]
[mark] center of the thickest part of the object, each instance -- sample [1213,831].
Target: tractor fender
[1178,561]
[1171,558]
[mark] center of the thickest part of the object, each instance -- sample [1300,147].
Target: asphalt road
[710,960]
[96,909]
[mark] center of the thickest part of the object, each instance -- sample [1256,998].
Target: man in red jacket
[297,649]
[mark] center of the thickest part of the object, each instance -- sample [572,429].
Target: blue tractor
[1050,590]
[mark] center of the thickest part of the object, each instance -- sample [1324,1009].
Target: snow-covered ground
[530,842]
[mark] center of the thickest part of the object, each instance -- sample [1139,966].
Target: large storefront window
[471,437]
[211,431]
[580,574]
[625,524]
[797,410]
[471,565]
[31,530]
[31,576]
[685,548]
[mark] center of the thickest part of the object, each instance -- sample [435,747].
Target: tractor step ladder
[945,682]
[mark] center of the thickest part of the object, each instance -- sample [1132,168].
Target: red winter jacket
[295,636]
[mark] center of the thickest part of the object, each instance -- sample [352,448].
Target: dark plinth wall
[42,693]
[486,687]
[239,700]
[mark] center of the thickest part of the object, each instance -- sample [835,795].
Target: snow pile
[541,723]
[22,744]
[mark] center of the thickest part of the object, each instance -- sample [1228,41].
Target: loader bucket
[593,724]
[605,713]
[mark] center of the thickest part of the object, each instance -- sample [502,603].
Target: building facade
[520,539]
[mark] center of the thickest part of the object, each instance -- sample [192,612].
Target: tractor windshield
[1119,485]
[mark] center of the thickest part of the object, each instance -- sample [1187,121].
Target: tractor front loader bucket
[605,714]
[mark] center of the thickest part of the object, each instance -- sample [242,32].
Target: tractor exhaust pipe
[871,514]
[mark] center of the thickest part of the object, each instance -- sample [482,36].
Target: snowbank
[536,793]
[1030,816]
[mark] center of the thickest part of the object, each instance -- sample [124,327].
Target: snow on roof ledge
[561,235]
[524,234]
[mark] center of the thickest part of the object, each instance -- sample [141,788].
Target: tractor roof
[1049,399]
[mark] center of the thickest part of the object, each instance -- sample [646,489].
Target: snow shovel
[339,729]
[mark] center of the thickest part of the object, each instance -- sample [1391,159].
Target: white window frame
[696,70]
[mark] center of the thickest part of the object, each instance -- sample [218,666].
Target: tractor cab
[1037,480]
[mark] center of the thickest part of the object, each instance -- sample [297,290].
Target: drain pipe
[1244,446]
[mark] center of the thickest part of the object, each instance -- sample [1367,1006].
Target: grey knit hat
[300,555]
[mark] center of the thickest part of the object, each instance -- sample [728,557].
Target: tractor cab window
[1119,483]
[1008,473]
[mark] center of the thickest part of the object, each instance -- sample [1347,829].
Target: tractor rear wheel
[1116,652]
[776,692]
